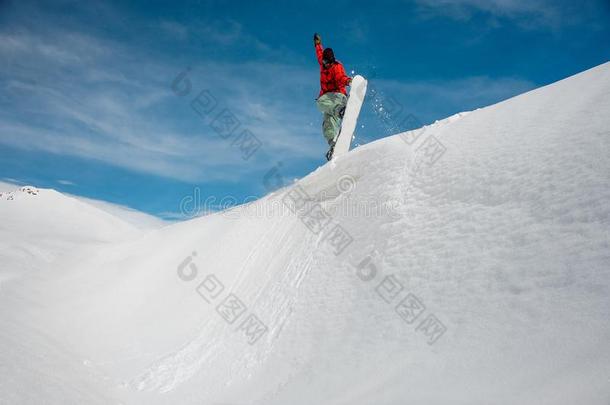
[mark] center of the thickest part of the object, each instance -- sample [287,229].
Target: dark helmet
[328,56]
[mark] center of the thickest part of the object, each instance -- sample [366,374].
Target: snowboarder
[333,96]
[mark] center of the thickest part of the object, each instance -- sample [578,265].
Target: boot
[329,154]
[341,112]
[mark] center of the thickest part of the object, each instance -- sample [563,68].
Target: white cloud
[69,93]
[73,94]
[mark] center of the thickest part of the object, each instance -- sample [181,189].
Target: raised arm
[317,41]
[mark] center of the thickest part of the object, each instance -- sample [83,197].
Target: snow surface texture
[477,272]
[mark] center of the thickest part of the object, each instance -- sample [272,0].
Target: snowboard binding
[342,112]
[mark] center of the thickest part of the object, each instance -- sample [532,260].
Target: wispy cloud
[174,29]
[529,14]
[67,90]
[223,34]
[355,30]
[70,93]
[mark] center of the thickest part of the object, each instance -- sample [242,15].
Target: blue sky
[87,105]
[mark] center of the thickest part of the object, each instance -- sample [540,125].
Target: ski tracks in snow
[269,291]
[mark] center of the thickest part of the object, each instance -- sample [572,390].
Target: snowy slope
[38,227]
[503,237]
[42,232]
[138,219]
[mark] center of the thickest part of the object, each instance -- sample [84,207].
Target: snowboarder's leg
[331,105]
[330,127]
[324,103]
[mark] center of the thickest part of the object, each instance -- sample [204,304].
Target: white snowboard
[350,118]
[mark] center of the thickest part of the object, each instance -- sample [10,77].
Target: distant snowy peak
[12,195]
[42,211]
[125,215]
[44,226]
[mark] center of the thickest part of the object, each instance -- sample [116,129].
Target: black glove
[317,39]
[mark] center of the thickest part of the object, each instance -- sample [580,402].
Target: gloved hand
[317,39]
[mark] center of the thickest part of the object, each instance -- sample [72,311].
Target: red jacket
[332,78]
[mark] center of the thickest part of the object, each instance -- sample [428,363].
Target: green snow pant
[331,104]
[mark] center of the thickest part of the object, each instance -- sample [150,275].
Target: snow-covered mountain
[466,262]
[40,227]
